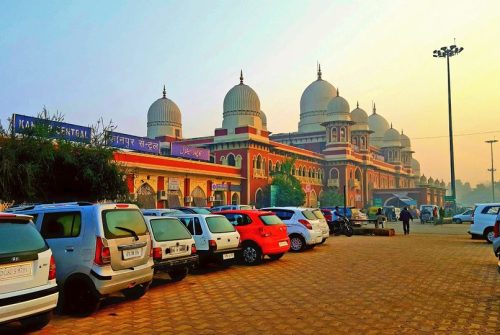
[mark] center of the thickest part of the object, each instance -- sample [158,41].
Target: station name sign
[135,143]
[186,151]
[67,131]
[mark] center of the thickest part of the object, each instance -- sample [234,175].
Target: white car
[215,237]
[302,226]
[174,250]
[322,222]
[463,217]
[160,212]
[28,289]
[484,221]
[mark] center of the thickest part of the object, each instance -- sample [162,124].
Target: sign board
[219,187]
[173,184]
[131,142]
[186,151]
[449,198]
[67,131]
[378,201]
[274,194]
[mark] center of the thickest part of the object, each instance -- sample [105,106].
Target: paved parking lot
[434,281]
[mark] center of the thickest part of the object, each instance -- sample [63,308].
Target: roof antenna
[241,77]
[319,71]
[164,92]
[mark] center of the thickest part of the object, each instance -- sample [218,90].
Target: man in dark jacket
[406,216]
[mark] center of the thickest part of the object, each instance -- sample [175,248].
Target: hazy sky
[111,58]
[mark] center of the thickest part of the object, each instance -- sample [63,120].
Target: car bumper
[170,264]
[27,304]
[123,279]
[273,247]
[314,238]
[224,255]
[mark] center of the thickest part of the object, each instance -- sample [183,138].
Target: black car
[193,210]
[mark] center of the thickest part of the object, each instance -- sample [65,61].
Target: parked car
[193,210]
[230,207]
[325,229]
[160,211]
[303,228]
[215,237]
[484,221]
[463,217]
[262,234]
[174,250]
[496,241]
[98,248]
[426,213]
[28,289]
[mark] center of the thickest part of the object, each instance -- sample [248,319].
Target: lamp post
[450,52]
[492,170]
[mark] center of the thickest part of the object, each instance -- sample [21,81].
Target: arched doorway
[220,198]
[146,196]
[175,199]
[259,199]
[313,199]
[235,199]
[199,197]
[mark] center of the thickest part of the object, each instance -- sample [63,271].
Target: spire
[241,77]
[319,71]
[164,92]
[374,108]
[402,132]
[338,91]
[391,125]
[357,104]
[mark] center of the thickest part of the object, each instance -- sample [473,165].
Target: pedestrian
[405,216]
[434,214]
[380,218]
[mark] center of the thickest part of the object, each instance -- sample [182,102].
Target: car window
[169,229]
[201,211]
[149,213]
[61,224]
[219,224]
[238,219]
[283,214]
[122,222]
[245,207]
[318,214]
[193,225]
[270,220]
[20,237]
[491,210]
[309,215]
[171,212]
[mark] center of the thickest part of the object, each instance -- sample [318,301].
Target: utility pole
[492,170]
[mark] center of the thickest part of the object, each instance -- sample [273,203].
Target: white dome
[313,104]
[405,142]
[263,117]
[392,138]
[360,118]
[415,167]
[338,109]
[164,118]
[241,107]
[379,125]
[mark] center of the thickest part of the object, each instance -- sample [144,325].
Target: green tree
[290,192]
[331,197]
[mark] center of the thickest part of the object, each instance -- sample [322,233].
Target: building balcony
[354,183]
[333,182]
[259,173]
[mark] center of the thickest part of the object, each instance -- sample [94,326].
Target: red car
[262,233]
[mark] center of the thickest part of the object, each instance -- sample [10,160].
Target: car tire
[297,243]
[36,322]
[136,292]
[178,274]
[251,254]
[457,220]
[489,235]
[275,257]
[80,297]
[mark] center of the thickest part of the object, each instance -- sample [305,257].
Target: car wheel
[251,254]
[489,235]
[297,243]
[137,291]
[275,257]
[80,297]
[178,274]
[36,322]
[457,220]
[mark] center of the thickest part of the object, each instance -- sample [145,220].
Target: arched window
[342,134]
[270,166]
[231,161]
[334,135]
[389,155]
[355,140]
[258,163]
[334,173]
[362,142]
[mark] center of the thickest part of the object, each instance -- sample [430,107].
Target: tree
[331,197]
[41,166]
[290,192]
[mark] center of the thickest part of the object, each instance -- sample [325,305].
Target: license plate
[283,244]
[132,253]
[228,256]
[178,248]
[16,271]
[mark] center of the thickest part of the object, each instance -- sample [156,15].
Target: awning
[406,200]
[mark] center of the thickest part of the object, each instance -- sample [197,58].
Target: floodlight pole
[492,170]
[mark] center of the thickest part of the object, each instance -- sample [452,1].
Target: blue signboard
[136,143]
[68,131]
[186,151]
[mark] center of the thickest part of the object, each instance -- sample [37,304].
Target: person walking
[405,216]
[380,218]
[435,215]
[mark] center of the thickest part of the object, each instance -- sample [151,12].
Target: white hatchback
[484,221]
[28,289]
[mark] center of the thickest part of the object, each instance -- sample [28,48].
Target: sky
[110,59]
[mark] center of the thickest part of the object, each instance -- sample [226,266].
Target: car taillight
[306,223]
[212,245]
[52,268]
[157,253]
[497,229]
[264,233]
[102,253]
[193,249]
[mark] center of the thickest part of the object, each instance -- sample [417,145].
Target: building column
[187,190]
[130,183]
[228,193]
[160,186]
[209,193]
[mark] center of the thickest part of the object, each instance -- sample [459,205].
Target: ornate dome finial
[338,91]
[357,104]
[241,77]
[402,132]
[391,125]
[374,108]
[164,92]
[319,71]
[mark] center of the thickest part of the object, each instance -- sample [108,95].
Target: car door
[194,226]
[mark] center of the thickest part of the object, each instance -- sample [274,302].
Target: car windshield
[123,222]
[245,207]
[168,229]
[20,237]
[171,212]
[199,210]
[318,214]
[270,220]
[219,224]
[309,215]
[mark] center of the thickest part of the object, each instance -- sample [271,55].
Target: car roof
[245,211]
[192,215]
[15,217]
[489,204]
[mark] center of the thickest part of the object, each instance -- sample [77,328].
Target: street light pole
[450,52]
[492,170]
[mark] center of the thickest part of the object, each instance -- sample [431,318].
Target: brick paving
[434,281]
